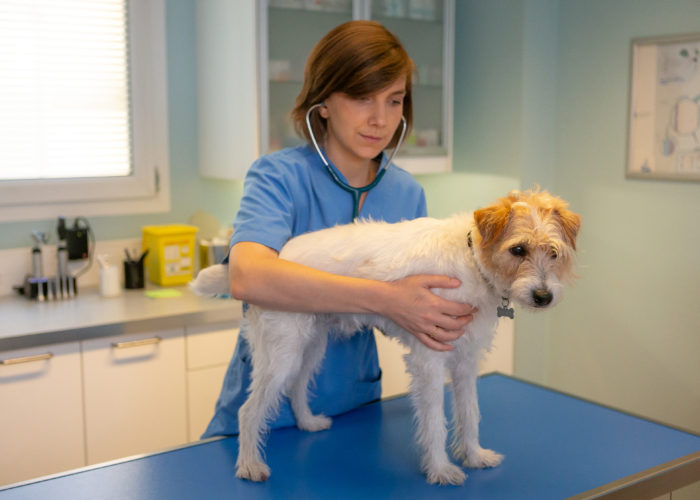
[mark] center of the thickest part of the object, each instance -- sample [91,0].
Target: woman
[355,102]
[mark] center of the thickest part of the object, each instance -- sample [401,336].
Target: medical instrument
[354,191]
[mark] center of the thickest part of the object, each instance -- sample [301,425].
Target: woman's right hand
[433,320]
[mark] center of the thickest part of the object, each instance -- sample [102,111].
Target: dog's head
[527,242]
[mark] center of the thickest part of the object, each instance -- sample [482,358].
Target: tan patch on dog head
[491,221]
[570,223]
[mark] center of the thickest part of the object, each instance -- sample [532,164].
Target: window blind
[64,89]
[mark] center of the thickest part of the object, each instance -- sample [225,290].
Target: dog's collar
[505,309]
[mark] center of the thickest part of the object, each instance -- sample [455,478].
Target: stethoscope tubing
[354,191]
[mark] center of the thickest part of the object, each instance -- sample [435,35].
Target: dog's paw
[481,458]
[446,474]
[253,471]
[314,423]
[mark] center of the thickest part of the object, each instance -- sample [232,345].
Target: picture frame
[664,108]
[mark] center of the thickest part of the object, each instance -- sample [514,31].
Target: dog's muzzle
[542,297]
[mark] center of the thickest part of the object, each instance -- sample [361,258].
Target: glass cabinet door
[292,29]
[419,24]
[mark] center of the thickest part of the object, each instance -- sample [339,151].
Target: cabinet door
[227,87]
[41,418]
[288,31]
[290,28]
[395,378]
[426,30]
[209,350]
[134,394]
[204,386]
[501,357]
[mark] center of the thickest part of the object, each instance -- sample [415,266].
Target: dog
[521,249]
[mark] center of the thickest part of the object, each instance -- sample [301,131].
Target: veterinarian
[355,102]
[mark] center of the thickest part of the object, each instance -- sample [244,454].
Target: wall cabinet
[134,394]
[289,29]
[41,414]
[226,88]
[244,103]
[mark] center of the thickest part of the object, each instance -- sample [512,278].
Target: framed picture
[664,121]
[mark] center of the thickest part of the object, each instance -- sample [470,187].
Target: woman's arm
[257,275]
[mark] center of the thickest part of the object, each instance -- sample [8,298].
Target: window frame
[147,189]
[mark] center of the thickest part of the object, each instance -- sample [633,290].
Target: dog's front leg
[465,410]
[427,395]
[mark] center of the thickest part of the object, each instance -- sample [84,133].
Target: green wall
[627,333]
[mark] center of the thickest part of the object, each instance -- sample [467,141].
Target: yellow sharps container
[170,259]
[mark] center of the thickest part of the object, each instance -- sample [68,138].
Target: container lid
[169,229]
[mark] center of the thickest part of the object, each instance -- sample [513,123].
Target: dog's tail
[212,280]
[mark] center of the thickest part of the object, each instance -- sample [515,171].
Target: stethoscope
[354,191]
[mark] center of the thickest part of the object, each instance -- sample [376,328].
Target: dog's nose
[542,297]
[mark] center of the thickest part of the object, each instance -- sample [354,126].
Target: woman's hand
[434,321]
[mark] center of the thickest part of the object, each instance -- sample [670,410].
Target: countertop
[28,323]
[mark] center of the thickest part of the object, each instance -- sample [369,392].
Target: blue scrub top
[286,194]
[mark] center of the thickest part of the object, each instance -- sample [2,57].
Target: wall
[487,88]
[627,334]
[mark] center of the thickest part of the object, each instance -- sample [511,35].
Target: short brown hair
[356,58]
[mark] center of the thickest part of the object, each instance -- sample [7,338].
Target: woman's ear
[323,111]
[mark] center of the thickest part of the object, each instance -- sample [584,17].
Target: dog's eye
[518,251]
[553,254]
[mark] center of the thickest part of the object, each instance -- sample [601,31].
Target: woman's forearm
[259,277]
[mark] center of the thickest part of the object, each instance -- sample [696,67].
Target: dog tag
[504,310]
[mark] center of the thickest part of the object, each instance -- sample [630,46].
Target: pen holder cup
[133,274]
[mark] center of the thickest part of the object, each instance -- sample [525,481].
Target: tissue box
[170,259]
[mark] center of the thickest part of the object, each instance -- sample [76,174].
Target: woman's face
[360,128]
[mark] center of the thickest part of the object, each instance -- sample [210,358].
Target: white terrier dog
[520,248]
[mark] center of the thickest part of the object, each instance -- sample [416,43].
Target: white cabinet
[227,104]
[209,350]
[41,412]
[250,69]
[134,394]
[396,380]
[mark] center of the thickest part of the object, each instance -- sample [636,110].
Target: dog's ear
[492,220]
[570,224]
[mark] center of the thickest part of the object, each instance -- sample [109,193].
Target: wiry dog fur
[519,248]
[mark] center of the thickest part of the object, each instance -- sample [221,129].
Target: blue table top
[555,446]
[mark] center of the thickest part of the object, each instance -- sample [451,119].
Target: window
[83,115]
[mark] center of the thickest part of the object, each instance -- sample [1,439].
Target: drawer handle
[26,359]
[136,343]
